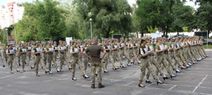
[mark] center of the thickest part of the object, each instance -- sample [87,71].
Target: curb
[208,49]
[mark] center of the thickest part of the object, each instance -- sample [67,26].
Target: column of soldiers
[160,57]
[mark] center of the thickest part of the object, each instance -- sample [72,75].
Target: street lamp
[91,27]
[6,31]
[91,21]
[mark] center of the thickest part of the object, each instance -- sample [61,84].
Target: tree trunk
[142,34]
[137,34]
[178,33]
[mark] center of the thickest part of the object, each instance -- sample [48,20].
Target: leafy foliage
[42,20]
[107,16]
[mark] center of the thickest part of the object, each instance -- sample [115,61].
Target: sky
[131,2]
[190,3]
[5,1]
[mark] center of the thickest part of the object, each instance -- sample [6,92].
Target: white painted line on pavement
[172,87]
[200,83]
[6,77]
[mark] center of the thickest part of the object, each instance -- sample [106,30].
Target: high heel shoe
[164,78]
[141,85]
[159,82]
[148,81]
[172,75]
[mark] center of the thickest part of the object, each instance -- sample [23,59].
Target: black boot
[92,85]
[100,85]
[148,81]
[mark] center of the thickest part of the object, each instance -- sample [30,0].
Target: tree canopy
[49,19]
[108,16]
[42,20]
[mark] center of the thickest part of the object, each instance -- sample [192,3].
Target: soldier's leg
[194,56]
[37,61]
[50,58]
[114,62]
[85,66]
[190,57]
[23,59]
[75,60]
[182,58]
[179,61]
[105,61]
[2,60]
[176,62]
[117,59]
[167,66]
[121,55]
[159,65]
[197,53]
[172,61]
[150,70]
[142,73]
[10,62]
[131,57]
[45,59]
[163,66]
[170,64]
[126,54]
[81,62]
[55,55]
[62,59]
[93,71]
[156,64]
[31,61]
[135,58]
[99,74]
[203,50]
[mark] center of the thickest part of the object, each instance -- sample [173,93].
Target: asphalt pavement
[196,80]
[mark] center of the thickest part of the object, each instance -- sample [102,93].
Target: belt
[37,54]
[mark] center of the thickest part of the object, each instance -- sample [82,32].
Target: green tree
[1,35]
[42,20]
[108,16]
[204,15]
[183,17]
[166,15]
[76,26]
[154,14]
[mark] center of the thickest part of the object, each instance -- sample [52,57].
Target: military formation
[156,57]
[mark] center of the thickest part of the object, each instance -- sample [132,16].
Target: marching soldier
[49,52]
[106,60]
[62,54]
[2,55]
[83,60]
[145,64]
[56,52]
[37,51]
[11,56]
[23,54]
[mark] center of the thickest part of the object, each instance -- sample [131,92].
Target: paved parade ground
[196,80]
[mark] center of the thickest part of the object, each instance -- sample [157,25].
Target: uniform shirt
[143,52]
[10,51]
[94,51]
[23,50]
